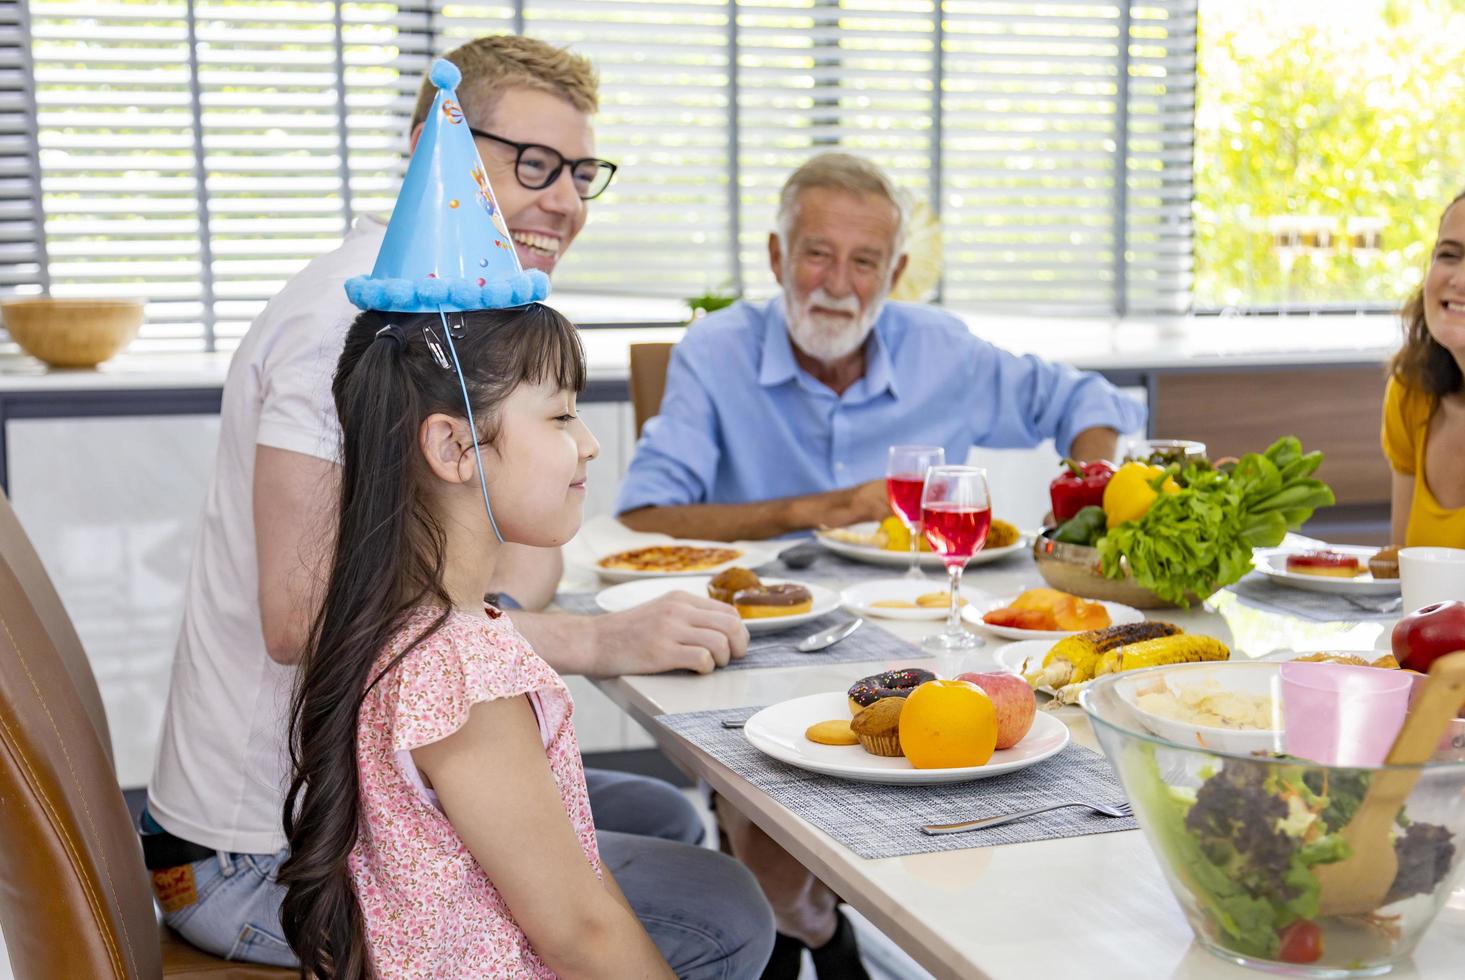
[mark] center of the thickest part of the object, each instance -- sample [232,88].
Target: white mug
[1429,575]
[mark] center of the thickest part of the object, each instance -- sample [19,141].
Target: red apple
[1015,703]
[1428,632]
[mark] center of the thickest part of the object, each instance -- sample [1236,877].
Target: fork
[1108,810]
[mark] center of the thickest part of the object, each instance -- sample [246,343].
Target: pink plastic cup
[1342,715]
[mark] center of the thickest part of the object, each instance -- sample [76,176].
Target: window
[199,152]
[1330,135]
[22,241]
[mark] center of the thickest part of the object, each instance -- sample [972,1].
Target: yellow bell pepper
[1129,495]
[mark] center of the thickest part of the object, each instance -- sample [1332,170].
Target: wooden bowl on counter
[71,333]
[1076,569]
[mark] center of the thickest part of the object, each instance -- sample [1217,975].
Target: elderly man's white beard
[829,338]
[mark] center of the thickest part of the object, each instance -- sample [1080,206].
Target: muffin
[1385,563]
[729,582]
[878,727]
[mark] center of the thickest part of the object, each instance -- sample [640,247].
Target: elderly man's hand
[862,502]
[678,631]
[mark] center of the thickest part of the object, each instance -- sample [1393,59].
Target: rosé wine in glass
[956,511]
[905,496]
[956,532]
[905,479]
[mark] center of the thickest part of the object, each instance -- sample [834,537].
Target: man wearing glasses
[212,829]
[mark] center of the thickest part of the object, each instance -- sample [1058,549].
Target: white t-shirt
[222,765]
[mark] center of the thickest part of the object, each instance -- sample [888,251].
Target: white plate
[901,559]
[1243,677]
[778,731]
[1119,615]
[748,557]
[1272,562]
[859,598]
[628,595]
[1024,657]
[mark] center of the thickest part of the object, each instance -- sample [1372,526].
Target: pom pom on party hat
[447,246]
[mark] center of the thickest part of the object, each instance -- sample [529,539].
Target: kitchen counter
[1125,350]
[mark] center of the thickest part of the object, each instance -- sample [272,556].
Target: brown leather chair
[648,380]
[74,895]
[15,546]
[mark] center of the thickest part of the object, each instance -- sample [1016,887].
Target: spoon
[1359,883]
[829,637]
[801,555]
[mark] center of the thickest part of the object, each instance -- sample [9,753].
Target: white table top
[1084,907]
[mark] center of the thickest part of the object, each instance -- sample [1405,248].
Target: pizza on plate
[669,558]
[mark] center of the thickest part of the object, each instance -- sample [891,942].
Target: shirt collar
[778,351]
[779,366]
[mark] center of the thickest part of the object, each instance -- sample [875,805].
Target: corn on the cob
[1072,659]
[1182,649]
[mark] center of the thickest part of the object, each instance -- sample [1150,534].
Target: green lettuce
[1200,538]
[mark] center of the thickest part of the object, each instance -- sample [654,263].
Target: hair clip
[458,327]
[436,346]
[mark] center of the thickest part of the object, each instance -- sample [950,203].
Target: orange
[946,724]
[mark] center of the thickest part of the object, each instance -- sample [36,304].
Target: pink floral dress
[430,910]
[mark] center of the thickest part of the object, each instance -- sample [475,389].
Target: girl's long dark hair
[388,558]
[1423,363]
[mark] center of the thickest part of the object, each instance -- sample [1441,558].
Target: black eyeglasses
[537,166]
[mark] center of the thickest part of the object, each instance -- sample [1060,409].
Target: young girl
[1424,407]
[437,814]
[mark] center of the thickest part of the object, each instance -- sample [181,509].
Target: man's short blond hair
[841,172]
[491,65]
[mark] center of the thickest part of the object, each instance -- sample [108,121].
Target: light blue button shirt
[741,421]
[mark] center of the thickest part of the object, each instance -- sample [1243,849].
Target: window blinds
[199,152]
[22,241]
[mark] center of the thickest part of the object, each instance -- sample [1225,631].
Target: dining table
[1090,906]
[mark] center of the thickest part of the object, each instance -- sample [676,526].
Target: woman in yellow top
[1424,408]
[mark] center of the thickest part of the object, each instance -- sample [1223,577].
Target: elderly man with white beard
[777,417]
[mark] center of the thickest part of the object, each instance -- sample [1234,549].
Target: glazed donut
[891,684]
[765,601]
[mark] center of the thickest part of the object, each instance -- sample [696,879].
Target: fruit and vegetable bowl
[1241,840]
[1172,535]
[1079,569]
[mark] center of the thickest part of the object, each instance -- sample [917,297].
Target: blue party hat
[447,247]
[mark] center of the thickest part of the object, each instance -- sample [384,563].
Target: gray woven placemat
[1320,607]
[878,821]
[869,642]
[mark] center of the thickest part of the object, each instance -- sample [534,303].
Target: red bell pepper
[1078,486]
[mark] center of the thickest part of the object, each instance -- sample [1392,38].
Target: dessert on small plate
[1337,568]
[764,609]
[780,731]
[899,598]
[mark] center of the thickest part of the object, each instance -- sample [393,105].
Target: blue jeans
[702,909]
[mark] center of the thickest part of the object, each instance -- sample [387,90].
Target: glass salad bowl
[1239,836]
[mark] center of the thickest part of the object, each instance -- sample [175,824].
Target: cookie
[835,732]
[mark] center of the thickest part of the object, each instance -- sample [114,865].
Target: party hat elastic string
[472,426]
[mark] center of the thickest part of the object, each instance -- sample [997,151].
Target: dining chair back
[648,380]
[75,898]
[18,552]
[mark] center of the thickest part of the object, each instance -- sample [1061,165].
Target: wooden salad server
[1359,883]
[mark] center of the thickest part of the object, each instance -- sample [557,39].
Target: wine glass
[956,511]
[905,476]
